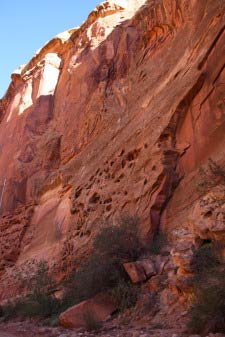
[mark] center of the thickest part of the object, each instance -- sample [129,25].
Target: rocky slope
[116,116]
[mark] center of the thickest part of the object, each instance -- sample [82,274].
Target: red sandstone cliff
[115,116]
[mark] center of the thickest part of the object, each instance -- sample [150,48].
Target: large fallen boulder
[98,308]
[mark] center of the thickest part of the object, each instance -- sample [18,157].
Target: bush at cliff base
[207,313]
[103,270]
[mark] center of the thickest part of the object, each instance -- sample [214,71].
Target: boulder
[140,271]
[98,308]
[149,267]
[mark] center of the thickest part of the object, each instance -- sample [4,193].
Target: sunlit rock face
[114,117]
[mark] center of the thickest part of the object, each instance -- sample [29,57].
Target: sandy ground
[6,334]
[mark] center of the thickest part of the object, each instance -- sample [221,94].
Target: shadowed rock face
[116,116]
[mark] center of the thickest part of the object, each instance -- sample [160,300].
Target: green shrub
[9,310]
[39,299]
[125,294]
[119,241]
[205,258]
[207,313]
[43,306]
[103,270]
[96,274]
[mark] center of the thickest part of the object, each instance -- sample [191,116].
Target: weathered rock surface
[116,116]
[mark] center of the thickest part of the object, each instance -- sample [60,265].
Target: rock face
[116,116]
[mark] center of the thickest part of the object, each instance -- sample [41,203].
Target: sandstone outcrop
[117,116]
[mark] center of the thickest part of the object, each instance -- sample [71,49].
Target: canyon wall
[116,116]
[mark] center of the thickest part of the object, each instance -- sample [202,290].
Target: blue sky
[25,26]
